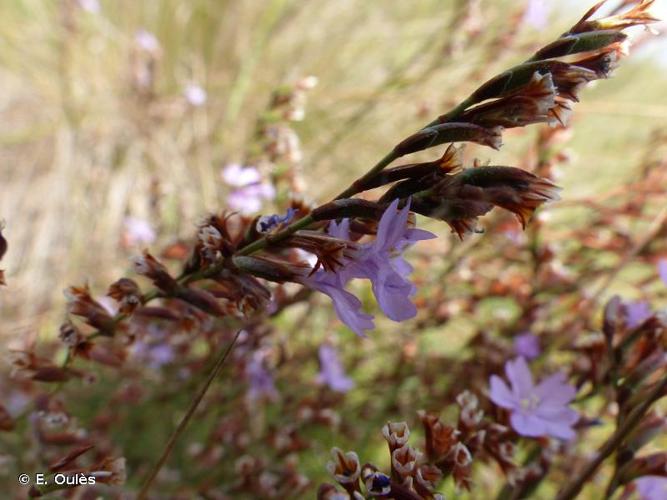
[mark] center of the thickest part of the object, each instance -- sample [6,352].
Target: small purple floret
[535,410]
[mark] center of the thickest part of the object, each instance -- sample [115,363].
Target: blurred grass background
[80,150]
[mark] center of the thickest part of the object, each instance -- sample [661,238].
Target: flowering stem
[454,112]
[379,166]
[573,488]
[304,222]
[279,236]
[186,418]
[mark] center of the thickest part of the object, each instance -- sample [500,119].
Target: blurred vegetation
[81,149]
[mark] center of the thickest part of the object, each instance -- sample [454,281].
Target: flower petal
[520,377]
[500,394]
[392,227]
[528,425]
[553,391]
[393,295]
[560,431]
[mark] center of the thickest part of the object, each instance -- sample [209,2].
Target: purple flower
[652,487]
[527,345]
[331,370]
[195,94]
[92,6]
[536,14]
[260,379]
[268,222]
[381,262]
[638,312]
[155,355]
[16,402]
[346,305]
[662,270]
[147,41]
[251,190]
[138,231]
[240,176]
[536,410]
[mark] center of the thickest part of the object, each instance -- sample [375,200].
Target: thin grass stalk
[194,404]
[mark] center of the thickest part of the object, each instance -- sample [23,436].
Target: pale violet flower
[138,231]
[251,191]
[331,370]
[662,270]
[155,355]
[260,380]
[346,305]
[652,487]
[537,14]
[267,223]
[527,345]
[195,95]
[535,410]
[381,262]
[249,200]
[638,312]
[237,175]
[92,6]
[16,402]
[108,303]
[147,41]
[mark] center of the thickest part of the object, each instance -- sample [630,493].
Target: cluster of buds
[259,481]
[127,294]
[54,428]
[541,90]
[628,359]
[449,452]
[281,142]
[627,355]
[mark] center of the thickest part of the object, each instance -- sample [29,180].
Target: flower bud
[580,42]
[345,467]
[404,461]
[201,299]
[638,15]
[530,103]
[450,132]
[396,434]
[439,438]
[80,303]
[126,292]
[149,266]
[271,269]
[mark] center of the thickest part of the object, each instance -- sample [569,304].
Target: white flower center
[530,403]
